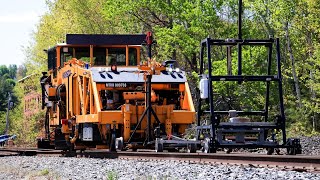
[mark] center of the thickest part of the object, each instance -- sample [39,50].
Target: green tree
[180,25]
[7,83]
[296,24]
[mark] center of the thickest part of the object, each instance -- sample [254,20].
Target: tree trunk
[313,98]
[313,93]
[229,60]
[195,62]
[294,74]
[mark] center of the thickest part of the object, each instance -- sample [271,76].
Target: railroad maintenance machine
[101,92]
[242,128]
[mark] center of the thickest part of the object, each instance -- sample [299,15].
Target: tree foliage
[180,25]
[7,83]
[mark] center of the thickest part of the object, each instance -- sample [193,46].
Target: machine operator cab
[101,55]
[97,50]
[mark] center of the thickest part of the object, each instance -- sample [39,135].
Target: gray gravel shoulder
[310,145]
[84,168]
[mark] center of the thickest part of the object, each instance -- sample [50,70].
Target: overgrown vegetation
[111,175]
[44,172]
[7,83]
[180,25]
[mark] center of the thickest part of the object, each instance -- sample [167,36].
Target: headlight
[177,70]
[170,70]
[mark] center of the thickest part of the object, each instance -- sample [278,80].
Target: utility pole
[7,116]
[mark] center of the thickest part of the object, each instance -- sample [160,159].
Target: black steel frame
[207,43]
[239,42]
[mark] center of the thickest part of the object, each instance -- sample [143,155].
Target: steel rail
[300,163]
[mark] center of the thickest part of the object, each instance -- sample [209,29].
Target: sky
[18,19]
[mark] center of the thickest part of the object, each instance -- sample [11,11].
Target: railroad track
[298,163]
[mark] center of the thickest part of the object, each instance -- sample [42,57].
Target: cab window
[81,53]
[65,55]
[132,56]
[99,56]
[116,56]
[52,56]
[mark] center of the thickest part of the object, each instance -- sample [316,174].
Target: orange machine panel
[133,95]
[52,91]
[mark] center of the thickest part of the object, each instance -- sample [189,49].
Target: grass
[111,175]
[44,172]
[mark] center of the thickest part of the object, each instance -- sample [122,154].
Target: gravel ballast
[24,167]
[310,145]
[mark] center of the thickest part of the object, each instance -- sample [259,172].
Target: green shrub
[111,175]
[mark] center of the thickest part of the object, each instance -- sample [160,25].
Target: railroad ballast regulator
[243,127]
[99,93]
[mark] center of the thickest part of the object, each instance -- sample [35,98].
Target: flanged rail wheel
[113,142]
[119,143]
[270,151]
[291,151]
[192,148]
[159,147]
